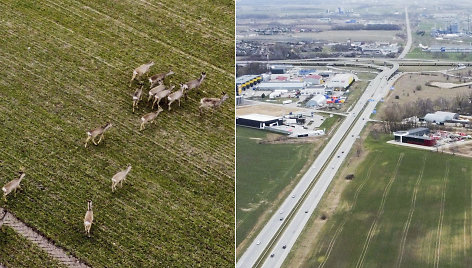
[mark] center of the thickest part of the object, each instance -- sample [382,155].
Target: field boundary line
[373,227]
[410,215]
[42,242]
[356,195]
[173,48]
[221,33]
[441,217]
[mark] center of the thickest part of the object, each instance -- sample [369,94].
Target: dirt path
[43,242]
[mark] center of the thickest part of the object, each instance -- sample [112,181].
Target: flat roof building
[340,81]
[258,121]
[281,85]
[419,136]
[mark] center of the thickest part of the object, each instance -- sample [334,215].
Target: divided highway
[281,231]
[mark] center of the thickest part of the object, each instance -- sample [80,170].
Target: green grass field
[65,68]
[16,251]
[264,170]
[404,208]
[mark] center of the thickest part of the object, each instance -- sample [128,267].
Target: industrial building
[316,101]
[313,79]
[258,121]
[418,136]
[340,81]
[451,48]
[246,82]
[441,117]
[280,69]
[271,86]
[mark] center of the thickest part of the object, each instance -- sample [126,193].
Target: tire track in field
[173,12]
[73,142]
[80,50]
[86,104]
[135,32]
[351,209]
[110,118]
[410,215]
[42,242]
[437,254]
[373,227]
[158,41]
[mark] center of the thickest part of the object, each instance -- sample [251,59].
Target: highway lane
[408,33]
[288,238]
[265,237]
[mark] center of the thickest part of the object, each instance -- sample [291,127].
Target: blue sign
[392,88]
[374,111]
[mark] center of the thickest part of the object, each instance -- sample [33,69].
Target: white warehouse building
[290,86]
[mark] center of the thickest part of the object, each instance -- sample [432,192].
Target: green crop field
[65,68]
[264,170]
[404,208]
[16,251]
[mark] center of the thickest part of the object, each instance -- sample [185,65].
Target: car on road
[306,211]
[293,196]
[284,246]
[258,242]
[272,255]
[281,218]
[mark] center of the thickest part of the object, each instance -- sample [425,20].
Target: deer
[92,134]
[177,95]
[159,77]
[137,96]
[119,178]
[88,219]
[160,95]
[12,186]
[156,89]
[140,71]
[212,103]
[149,118]
[195,83]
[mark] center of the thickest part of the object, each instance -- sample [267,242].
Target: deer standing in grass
[194,83]
[155,90]
[177,95]
[92,134]
[118,178]
[88,219]
[140,71]
[149,118]
[160,95]
[159,77]
[137,96]
[212,103]
[12,186]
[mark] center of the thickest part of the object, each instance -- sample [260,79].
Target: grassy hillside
[65,68]
[405,207]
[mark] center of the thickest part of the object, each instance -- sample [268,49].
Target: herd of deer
[158,91]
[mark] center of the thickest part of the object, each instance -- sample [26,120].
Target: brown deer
[177,95]
[159,77]
[156,89]
[92,134]
[119,178]
[137,96]
[194,83]
[12,186]
[160,95]
[149,118]
[212,103]
[88,219]
[140,71]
